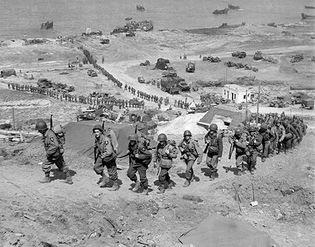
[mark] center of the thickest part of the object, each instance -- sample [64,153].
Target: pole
[258,103]
[246,107]
[13,118]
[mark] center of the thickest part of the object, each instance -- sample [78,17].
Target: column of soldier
[276,134]
[64,96]
[146,96]
[181,104]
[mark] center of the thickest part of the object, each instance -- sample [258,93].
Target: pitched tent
[220,231]
[79,136]
[229,115]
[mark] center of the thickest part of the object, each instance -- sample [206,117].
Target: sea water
[22,18]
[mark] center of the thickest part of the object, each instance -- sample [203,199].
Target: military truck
[190,68]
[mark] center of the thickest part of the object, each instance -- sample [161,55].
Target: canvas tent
[79,136]
[219,231]
[225,115]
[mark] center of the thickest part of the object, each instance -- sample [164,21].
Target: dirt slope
[78,215]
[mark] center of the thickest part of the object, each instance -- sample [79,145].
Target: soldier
[105,156]
[267,137]
[239,142]
[163,156]
[139,160]
[213,150]
[190,151]
[254,148]
[281,135]
[290,134]
[54,153]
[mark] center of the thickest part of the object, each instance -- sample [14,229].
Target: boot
[115,187]
[68,178]
[137,187]
[146,192]
[46,179]
[104,181]
[161,190]
[187,183]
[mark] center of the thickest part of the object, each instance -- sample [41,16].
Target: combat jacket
[214,145]
[240,145]
[104,148]
[139,155]
[111,134]
[255,143]
[267,136]
[290,130]
[164,155]
[190,149]
[51,145]
[281,133]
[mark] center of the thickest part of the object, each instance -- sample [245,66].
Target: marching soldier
[254,148]
[190,152]
[213,150]
[139,160]
[163,156]
[105,156]
[267,137]
[54,153]
[239,142]
[281,135]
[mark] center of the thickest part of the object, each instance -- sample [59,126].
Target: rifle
[51,122]
[206,148]
[231,150]
[95,156]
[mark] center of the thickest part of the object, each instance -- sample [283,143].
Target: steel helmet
[187,133]
[238,131]
[98,127]
[264,126]
[133,137]
[213,127]
[41,125]
[162,137]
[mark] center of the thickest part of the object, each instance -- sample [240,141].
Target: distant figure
[180,57]
[102,59]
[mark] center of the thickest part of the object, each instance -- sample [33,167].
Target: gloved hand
[199,160]
[137,155]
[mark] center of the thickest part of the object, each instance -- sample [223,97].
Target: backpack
[60,133]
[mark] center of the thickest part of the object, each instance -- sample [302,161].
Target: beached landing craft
[305,16]
[309,7]
[140,8]
[47,25]
[233,7]
[220,11]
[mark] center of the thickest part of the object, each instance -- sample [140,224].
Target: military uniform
[53,153]
[105,157]
[163,156]
[254,148]
[214,151]
[240,151]
[190,151]
[139,160]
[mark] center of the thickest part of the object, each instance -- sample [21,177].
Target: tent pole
[246,106]
[258,102]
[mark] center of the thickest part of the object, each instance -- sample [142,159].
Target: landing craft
[47,25]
